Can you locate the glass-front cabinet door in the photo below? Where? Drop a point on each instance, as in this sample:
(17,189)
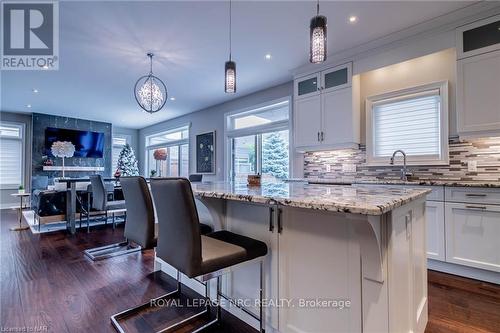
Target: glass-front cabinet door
(478,37)
(336,78)
(307,86)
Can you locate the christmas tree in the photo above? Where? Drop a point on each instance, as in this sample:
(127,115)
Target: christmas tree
(127,163)
(275,156)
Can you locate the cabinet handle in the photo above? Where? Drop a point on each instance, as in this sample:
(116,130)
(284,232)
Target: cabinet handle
(475,207)
(322,136)
(280,223)
(474,195)
(271,219)
(408,219)
(318,137)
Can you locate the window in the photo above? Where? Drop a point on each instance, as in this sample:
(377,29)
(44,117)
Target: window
(11,154)
(258,142)
(414,120)
(168,153)
(119,141)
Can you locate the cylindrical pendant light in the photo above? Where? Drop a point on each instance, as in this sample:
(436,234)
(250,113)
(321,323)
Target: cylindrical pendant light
(317,52)
(230,66)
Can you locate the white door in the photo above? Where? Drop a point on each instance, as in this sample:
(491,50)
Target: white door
(478,93)
(318,260)
(307,86)
(337,117)
(435,230)
(336,78)
(243,283)
(473,235)
(307,121)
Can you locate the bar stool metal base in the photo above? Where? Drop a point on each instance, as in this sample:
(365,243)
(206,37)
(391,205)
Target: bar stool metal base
(151,304)
(112,250)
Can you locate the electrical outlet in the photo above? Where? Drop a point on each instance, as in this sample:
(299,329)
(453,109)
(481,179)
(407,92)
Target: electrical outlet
(328,168)
(349,167)
(472,166)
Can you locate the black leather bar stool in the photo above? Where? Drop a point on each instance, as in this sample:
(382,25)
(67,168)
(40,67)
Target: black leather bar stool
(203,257)
(100,203)
(140,228)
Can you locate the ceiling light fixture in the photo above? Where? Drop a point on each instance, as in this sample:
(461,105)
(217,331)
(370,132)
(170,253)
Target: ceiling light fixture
(28,106)
(35,90)
(149,91)
(268,56)
(353,19)
(317,52)
(172,98)
(230,66)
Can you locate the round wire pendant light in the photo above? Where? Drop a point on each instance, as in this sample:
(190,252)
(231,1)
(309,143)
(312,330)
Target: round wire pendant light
(149,91)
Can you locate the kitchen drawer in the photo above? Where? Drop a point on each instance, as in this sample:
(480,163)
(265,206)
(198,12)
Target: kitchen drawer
(473,235)
(473,195)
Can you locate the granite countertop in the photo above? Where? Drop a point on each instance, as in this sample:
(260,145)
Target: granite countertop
(369,200)
(420,182)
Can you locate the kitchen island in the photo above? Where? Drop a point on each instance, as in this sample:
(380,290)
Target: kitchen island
(341,258)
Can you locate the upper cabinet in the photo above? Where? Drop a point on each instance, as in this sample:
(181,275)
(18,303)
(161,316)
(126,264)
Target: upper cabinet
(478,37)
(478,73)
(326,110)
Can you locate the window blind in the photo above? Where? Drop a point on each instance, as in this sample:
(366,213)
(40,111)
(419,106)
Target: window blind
(11,158)
(411,123)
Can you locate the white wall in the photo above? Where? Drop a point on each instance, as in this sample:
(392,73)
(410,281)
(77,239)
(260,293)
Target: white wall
(440,66)
(210,119)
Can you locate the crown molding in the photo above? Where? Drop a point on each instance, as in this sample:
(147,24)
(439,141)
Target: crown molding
(441,24)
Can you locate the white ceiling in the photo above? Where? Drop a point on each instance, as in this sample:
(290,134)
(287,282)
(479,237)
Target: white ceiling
(103,48)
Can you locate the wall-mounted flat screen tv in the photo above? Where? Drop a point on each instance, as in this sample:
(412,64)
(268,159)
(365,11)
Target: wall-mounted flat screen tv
(87,144)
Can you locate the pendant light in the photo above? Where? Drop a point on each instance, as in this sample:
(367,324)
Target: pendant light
(230,66)
(149,91)
(317,53)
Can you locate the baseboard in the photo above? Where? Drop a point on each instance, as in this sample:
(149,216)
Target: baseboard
(460,270)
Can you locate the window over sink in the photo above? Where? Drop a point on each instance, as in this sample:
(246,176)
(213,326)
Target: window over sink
(414,120)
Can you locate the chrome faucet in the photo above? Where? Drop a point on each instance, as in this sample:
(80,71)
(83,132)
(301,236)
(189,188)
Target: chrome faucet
(404,172)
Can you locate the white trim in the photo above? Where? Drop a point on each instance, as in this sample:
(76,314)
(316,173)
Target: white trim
(422,90)
(275,126)
(22,139)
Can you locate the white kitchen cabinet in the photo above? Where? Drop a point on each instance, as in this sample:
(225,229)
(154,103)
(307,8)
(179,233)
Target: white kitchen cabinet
(478,37)
(307,121)
(243,283)
(478,94)
(473,235)
(318,260)
(328,118)
(340,117)
(435,230)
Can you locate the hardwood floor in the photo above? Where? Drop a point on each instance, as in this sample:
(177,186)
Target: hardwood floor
(45,281)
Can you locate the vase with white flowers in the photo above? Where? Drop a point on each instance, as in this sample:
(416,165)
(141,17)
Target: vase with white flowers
(63,149)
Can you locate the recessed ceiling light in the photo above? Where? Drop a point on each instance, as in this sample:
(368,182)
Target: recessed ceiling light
(268,56)
(28,106)
(353,19)
(172,98)
(45,67)
(35,90)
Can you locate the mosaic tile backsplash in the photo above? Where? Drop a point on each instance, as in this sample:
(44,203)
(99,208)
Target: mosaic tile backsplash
(485,151)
